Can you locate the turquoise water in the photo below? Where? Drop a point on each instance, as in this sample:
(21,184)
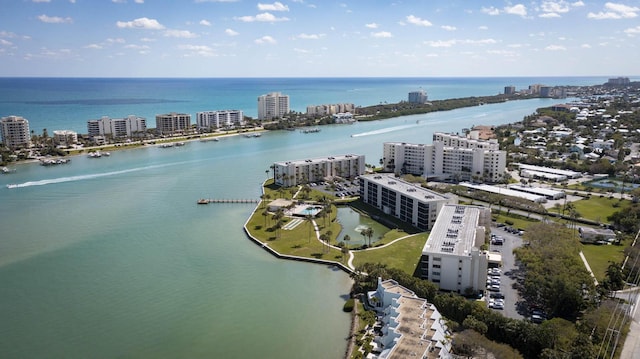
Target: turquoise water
(112,257)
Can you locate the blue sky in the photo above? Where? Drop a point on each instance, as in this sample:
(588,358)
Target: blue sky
(318,38)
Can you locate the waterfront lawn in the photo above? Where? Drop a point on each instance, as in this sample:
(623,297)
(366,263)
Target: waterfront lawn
(599,257)
(404,254)
(599,208)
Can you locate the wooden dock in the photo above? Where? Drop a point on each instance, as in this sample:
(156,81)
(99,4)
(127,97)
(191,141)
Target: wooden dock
(212,200)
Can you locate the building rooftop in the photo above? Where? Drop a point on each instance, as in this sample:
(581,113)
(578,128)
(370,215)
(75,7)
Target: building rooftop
(505,191)
(550,170)
(412,190)
(538,190)
(318,160)
(455,230)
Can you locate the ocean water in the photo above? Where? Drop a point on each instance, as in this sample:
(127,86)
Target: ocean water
(112,257)
(57,104)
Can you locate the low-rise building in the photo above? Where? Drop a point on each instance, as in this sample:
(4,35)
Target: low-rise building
(451,257)
(593,235)
(65,137)
(409,202)
(293,173)
(330,109)
(411,326)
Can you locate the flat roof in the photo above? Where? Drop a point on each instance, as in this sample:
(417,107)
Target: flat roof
(454,231)
(412,190)
(548,175)
(549,170)
(506,192)
(538,190)
(319,160)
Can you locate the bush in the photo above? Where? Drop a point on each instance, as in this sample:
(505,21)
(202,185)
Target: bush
(348,305)
(509,222)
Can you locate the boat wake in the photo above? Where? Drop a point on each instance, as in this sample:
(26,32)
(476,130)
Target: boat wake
(81,177)
(383,130)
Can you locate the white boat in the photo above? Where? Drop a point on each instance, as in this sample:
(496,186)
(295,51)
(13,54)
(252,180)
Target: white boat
(95,154)
(7,170)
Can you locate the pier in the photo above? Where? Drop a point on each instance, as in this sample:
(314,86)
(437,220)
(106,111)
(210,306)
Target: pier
(212,200)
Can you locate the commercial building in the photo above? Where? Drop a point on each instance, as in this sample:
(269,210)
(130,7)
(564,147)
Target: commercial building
(419,97)
(537,198)
(293,173)
(451,257)
(548,173)
(171,123)
(15,132)
(409,202)
(509,90)
(450,156)
(332,109)
(272,105)
(117,127)
(219,119)
(411,326)
(550,194)
(65,137)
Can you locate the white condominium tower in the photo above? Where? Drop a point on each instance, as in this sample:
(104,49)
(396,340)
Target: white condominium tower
(272,105)
(450,156)
(219,119)
(116,127)
(15,132)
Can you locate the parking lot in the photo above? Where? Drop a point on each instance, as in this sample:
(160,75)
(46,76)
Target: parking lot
(340,188)
(508,273)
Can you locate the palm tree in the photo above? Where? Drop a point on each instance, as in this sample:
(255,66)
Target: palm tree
(344,251)
(346,240)
(323,238)
(369,234)
(309,221)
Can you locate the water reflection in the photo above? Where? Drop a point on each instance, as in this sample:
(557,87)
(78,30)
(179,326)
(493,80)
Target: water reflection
(353,223)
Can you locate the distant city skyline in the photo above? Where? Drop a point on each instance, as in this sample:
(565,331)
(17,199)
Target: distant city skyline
(303,38)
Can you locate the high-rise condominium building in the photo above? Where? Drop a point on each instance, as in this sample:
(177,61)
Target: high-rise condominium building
(170,123)
(272,105)
(15,132)
(450,156)
(219,119)
(419,97)
(451,257)
(293,173)
(117,127)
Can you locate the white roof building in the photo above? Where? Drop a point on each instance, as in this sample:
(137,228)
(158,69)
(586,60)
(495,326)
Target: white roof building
(412,327)
(293,173)
(409,202)
(451,257)
(506,191)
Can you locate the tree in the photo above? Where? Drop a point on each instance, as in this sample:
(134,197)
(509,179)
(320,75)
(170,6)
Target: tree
(345,252)
(346,240)
(369,233)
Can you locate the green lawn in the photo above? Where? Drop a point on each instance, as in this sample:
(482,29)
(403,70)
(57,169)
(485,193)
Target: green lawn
(598,209)
(599,257)
(517,220)
(403,254)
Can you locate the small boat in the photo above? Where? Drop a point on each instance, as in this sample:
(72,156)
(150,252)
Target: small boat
(7,170)
(95,154)
(180,143)
(166,145)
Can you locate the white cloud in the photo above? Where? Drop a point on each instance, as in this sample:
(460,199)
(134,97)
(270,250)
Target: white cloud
(441,43)
(117,40)
(310,36)
(615,11)
(585,46)
(372,25)
(136,47)
(183,34)
(555,48)
(490,11)
(558,7)
(54,19)
(199,50)
(483,27)
(265,40)
(231,32)
(381,34)
(517,9)
(204,22)
(140,23)
(139,1)
(632,31)
(417,21)
(5,42)
(448,28)
(41,1)
(276,6)
(549,15)
(94,46)
(264,17)
(301,51)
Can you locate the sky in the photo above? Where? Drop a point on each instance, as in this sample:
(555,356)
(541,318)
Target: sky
(318,38)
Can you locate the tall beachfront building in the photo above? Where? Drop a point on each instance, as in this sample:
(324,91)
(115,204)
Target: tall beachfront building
(409,202)
(15,132)
(448,157)
(272,105)
(117,127)
(419,97)
(219,119)
(293,173)
(451,257)
(171,123)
